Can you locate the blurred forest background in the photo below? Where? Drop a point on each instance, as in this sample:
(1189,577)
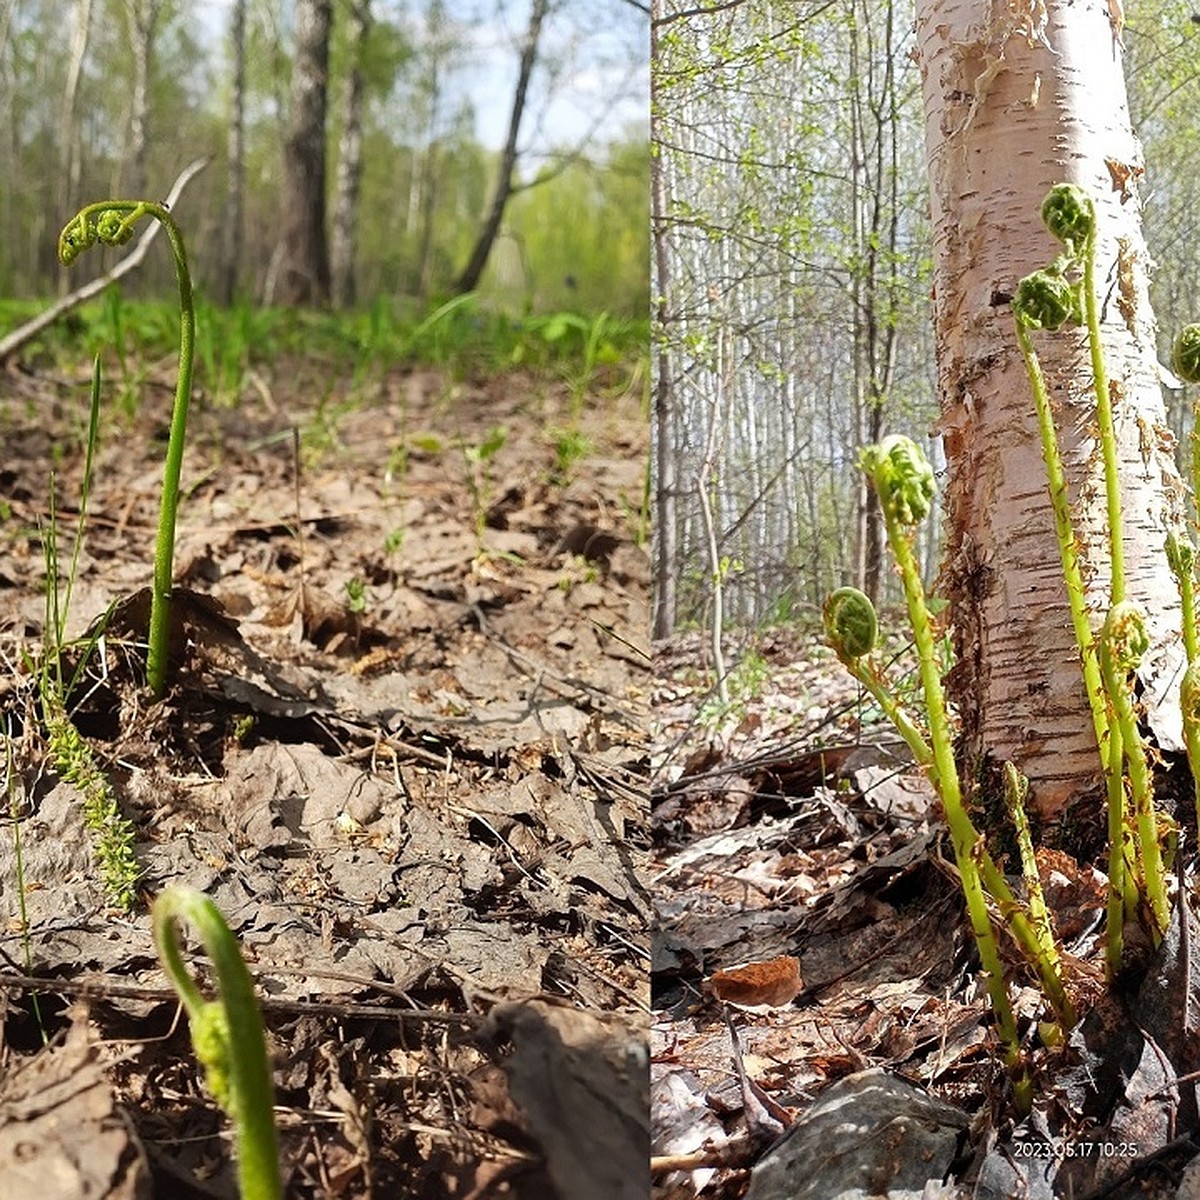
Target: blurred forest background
(492,146)
(792,276)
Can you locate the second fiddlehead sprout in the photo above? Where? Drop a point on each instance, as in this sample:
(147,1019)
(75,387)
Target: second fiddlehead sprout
(853,631)
(1185,354)
(227,1035)
(904,481)
(112,222)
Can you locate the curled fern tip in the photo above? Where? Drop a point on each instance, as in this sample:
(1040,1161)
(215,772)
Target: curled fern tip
(1070,216)
(902,477)
(850,623)
(1047,300)
(1185,357)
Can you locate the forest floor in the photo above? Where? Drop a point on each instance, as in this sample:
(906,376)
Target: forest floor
(404,749)
(807,904)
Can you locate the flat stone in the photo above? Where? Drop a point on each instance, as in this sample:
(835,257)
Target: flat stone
(870,1135)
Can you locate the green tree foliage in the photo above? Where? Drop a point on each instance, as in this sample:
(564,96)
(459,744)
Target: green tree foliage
(796,231)
(1162,40)
(426,174)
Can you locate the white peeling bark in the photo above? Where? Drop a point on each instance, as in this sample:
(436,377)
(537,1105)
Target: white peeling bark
(1019,96)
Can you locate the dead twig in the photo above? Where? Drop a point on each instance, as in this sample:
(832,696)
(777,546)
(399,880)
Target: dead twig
(102,988)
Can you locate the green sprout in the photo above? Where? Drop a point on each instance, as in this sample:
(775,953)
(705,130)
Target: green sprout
(1047,300)
(1181,558)
(114,835)
(1185,354)
(853,631)
(1040,302)
(111,222)
(1189,703)
(1070,215)
(903,480)
(1060,503)
(1124,641)
(227,1035)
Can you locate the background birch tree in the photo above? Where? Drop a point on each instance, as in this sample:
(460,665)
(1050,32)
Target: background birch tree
(791,230)
(344,218)
(217,85)
(304,255)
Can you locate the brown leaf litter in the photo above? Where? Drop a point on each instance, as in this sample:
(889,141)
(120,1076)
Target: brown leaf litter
(790,827)
(407,763)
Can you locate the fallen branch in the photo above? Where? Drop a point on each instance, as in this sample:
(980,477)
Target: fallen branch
(12,342)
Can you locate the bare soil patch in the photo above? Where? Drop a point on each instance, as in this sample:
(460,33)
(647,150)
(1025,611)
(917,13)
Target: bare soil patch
(404,751)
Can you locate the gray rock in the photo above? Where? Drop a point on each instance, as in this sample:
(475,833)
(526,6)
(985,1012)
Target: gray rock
(870,1135)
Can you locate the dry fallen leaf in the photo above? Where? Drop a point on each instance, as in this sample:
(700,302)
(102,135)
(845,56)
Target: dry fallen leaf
(773,983)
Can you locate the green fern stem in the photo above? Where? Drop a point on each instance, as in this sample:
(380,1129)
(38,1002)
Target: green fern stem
(851,627)
(1189,703)
(1016,789)
(1067,544)
(1120,853)
(1181,558)
(1123,642)
(1104,421)
(227,1035)
(112,222)
(968,846)
(904,483)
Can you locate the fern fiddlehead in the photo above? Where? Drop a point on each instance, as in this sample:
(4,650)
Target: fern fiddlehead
(111,223)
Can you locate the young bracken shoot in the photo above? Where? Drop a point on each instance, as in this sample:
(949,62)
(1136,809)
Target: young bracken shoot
(111,222)
(1048,299)
(227,1035)
(903,480)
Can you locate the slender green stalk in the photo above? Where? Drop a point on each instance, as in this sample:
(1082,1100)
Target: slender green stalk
(1120,854)
(904,482)
(1181,558)
(1047,300)
(1067,545)
(1016,789)
(113,845)
(852,628)
(227,1035)
(1123,643)
(1189,703)
(1039,304)
(112,222)
(1069,213)
(1104,421)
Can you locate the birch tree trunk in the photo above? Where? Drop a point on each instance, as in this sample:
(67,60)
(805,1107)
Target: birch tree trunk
(344,223)
(233,223)
(69,148)
(1020,95)
(304,270)
(665,407)
(143,18)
